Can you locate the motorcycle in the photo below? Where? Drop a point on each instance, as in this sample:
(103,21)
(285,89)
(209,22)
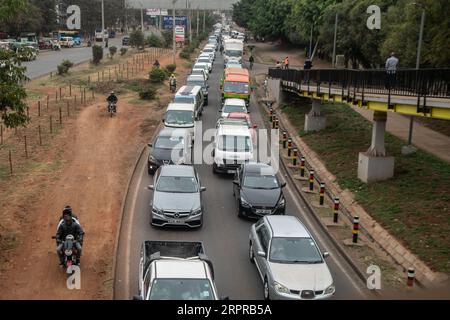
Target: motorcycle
(112,108)
(70,252)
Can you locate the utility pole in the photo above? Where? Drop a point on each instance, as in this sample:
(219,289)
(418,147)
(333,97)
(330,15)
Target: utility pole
(198,19)
(334,41)
(103,23)
(126,16)
(419,50)
(204,20)
(142,18)
(310,43)
(174,40)
(190,22)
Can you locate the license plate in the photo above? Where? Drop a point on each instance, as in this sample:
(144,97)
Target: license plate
(174,221)
(231,171)
(261,211)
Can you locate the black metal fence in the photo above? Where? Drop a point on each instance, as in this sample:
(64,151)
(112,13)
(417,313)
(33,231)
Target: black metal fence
(433,83)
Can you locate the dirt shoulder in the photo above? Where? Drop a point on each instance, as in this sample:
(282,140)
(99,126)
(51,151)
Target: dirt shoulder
(87,165)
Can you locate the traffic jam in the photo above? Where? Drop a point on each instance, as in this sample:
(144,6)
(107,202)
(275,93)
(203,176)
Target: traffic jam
(283,251)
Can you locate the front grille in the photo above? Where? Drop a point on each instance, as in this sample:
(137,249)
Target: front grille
(176,214)
(295,291)
(307,294)
(318,292)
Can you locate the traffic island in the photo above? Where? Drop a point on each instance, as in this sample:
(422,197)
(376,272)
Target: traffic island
(331,224)
(350,243)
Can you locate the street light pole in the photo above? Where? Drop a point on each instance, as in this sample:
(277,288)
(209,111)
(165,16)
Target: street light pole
(310,43)
(334,41)
(198,12)
(190,22)
(419,50)
(142,17)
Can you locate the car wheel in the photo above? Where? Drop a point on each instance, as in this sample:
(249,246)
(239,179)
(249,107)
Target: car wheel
(214,168)
(266,290)
(251,254)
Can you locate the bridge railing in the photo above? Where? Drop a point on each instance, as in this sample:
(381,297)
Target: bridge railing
(433,83)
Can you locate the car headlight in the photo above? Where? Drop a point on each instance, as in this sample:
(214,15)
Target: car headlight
(282,202)
(330,289)
(244,203)
(156,211)
(280,288)
(196,212)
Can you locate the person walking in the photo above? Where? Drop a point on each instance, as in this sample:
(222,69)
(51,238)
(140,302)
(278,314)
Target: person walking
(391,71)
(251,60)
(286,63)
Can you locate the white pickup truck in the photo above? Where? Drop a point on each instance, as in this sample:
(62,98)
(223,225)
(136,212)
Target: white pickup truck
(175,270)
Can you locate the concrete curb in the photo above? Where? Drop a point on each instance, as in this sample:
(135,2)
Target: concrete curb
(121,219)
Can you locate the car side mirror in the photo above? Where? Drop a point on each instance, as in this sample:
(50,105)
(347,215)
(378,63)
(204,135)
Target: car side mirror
(283,185)
(150,145)
(262,254)
(326,255)
(151,187)
(236,182)
(202,189)
(136,297)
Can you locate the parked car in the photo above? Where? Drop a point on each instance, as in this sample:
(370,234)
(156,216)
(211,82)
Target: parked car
(201,72)
(45,44)
(181,115)
(126,41)
(288,260)
(207,60)
(171,146)
(177,197)
(198,80)
(257,191)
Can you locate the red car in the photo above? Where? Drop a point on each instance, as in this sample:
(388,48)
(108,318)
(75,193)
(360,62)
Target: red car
(45,44)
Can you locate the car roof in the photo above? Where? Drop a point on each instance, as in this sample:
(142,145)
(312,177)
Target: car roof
(287,226)
(172,132)
(180,106)
(237,78)
(195,77)
(234,102)
(194,269)
(255,167)
(188,90)
(233,130)
(177,170)
(236,71)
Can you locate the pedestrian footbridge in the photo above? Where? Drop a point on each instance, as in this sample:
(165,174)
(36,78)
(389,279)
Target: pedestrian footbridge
(424,92)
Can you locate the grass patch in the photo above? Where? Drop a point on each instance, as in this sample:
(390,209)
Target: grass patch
(414,205)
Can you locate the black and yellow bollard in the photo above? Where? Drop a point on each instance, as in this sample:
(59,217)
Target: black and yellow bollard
(284,139)
(289,147)
(311,180)
(271,115)
(302,167)
(336,210)
(294,157)
(277,123)
(322,193)
(411,277)
(355,230)
(274,122)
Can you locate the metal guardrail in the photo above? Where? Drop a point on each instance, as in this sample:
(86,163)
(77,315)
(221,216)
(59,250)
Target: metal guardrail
(433,83)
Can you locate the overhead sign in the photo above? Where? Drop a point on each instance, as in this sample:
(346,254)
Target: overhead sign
(179,21)
(157,12)
(183,4)
(179,34)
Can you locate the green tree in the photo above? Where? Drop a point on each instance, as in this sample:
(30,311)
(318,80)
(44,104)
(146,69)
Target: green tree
(137,39)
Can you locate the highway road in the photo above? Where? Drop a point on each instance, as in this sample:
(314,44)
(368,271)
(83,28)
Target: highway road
(224,235)
(48,61)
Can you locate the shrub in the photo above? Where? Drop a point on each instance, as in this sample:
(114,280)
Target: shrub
(147,93)
(64,67)
(67,63)
(157,75)
(137,39)
(123,51)
(154,41)
(97,54)
(171,68)
(112,51)
(185,55)
(168,37)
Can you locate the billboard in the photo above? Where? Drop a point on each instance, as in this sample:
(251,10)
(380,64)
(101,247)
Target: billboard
(182,4)
(179,33)
(156,12)
(179,21)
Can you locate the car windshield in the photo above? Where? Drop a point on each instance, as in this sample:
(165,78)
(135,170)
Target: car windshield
(201,66)
(234,143)
(233,53)
(233,108)
(196,83)
(179,117)
(184,99)
(258,180)
(200,72)
(181,289)
(177,184)
(236,87)
(208,50)
(169,143)
(204,60)
(294,250)
(234,65)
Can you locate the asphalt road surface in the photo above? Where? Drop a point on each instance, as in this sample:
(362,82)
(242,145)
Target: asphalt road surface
(48,61)
(224,235)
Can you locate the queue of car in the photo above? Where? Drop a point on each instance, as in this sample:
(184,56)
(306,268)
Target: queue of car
(286,256)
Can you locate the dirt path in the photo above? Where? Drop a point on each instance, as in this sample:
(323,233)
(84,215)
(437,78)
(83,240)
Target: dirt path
(98,155)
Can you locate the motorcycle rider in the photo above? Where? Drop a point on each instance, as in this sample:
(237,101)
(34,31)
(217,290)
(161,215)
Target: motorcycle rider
(112,99)
(69,226)
(156,64)
(173,83)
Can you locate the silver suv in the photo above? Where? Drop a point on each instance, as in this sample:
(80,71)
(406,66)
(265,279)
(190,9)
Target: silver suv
(177,197)
(288,260)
